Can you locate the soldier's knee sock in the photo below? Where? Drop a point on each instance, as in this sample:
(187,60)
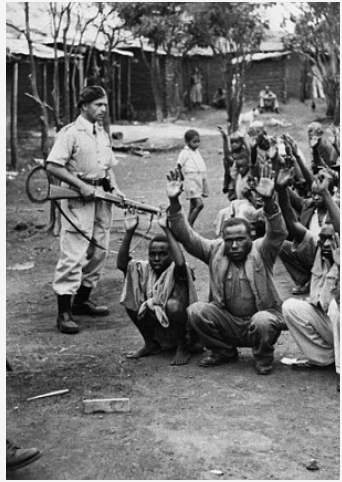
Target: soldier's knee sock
(64,303)
(82,294)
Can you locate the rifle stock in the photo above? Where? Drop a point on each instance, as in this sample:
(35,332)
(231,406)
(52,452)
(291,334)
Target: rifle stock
(57,193)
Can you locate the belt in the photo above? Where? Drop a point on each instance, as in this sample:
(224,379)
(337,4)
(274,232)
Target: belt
(94,182)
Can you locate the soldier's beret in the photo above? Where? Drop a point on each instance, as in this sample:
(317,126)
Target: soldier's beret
(91,93)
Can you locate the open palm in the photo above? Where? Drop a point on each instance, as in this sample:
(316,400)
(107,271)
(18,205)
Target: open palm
(265,186)
(162,219)
(285,176)
(174,185)
(131,220)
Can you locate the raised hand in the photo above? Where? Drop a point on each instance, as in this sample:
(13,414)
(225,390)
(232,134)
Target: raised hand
(174,185)
(131,219)
(223,134)
(265,185)
(285,175)
(162,219)
(336,249)
(290,144)
(273,150)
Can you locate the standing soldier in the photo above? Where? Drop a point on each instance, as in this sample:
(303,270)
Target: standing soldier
(82,158)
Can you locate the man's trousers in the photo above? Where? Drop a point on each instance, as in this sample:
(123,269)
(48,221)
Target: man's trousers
(221,332)
(80,261)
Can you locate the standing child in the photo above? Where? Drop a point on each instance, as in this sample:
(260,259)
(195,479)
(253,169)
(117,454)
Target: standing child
(193,172)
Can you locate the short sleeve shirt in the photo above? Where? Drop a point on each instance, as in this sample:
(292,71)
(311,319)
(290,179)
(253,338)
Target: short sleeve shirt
(238,294)
(191,161)
(81,151)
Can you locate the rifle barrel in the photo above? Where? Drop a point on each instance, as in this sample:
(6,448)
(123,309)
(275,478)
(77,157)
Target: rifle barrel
(59,192)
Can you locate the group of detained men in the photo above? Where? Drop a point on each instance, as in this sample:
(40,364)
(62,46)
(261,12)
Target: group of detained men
(244,308)
(277,207)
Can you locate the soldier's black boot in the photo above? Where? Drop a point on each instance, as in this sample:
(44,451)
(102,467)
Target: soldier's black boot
(65,322)
(83,306)
(16,458)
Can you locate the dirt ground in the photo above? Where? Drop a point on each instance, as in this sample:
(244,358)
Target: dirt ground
(184,421)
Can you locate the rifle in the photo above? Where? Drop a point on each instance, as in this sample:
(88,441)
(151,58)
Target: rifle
(56,193)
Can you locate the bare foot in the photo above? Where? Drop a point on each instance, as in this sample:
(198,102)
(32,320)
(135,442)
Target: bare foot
(182,356)
(146,350)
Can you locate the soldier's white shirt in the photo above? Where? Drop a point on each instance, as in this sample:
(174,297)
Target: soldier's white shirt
(82,152)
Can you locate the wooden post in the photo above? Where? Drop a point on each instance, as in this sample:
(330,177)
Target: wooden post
(45,99)
(45,132)
(80,65)
(118,95)
(14,117)
(129,78)
(285,78)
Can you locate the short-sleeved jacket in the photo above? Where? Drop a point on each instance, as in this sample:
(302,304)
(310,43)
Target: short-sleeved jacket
(191,161)
(258,264)
(81,152)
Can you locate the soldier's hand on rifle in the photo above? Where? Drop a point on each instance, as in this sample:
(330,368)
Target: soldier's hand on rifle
(119,193)
(87,191)
(131,220)
(174,186)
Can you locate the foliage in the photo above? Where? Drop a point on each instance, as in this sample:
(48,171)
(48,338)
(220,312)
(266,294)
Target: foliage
(233,30)
(238,23)
(159,22)
(162,26)
(317,38)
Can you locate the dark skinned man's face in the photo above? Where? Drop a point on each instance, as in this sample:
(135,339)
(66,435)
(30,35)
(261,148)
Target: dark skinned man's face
(325,241)
(238,242)
(317,196)
(159,256)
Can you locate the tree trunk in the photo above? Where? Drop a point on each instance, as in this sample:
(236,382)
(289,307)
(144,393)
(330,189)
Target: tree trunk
(14,118)
(330,90)
(55,91)
(154,72)
(66,93)
(157,87)
(44,117)
(234,75)
(119,90)
(172,77)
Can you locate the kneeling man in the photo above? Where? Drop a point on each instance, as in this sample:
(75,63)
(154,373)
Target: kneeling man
(157,292)
(245,307)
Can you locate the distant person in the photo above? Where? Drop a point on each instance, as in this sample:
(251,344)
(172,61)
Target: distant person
(245,307)
(219,99)
(324,152)
(236,163)
(82,158)
(196,90)
(193,172)
(157,292)
(268,100)
(316,84)
(17,458)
